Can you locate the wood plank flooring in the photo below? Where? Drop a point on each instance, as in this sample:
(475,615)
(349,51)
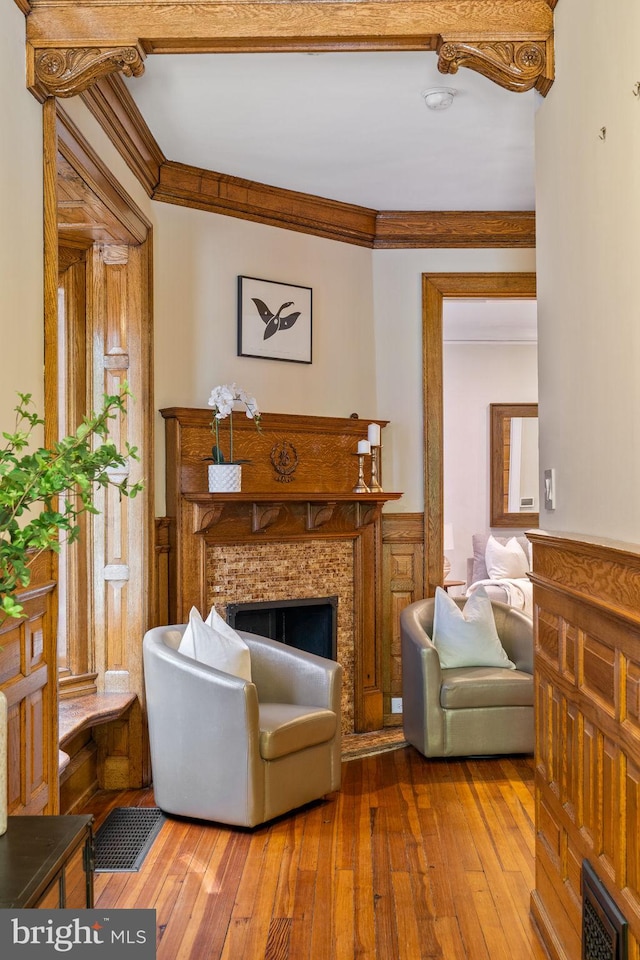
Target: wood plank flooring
(411,859)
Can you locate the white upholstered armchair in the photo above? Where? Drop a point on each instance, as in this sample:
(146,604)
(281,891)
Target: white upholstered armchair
(237,751)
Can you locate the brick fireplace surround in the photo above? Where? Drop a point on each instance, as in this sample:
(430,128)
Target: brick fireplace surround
(284,537)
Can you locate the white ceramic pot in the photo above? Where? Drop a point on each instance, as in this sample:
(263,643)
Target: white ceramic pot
(3,763)
(225,477)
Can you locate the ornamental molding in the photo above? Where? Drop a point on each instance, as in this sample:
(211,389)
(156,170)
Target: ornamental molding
(67,72)
(515,65)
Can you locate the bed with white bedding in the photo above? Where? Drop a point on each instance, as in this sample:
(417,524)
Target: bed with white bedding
(501,565)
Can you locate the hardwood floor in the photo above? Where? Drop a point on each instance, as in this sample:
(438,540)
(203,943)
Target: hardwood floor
(411,859)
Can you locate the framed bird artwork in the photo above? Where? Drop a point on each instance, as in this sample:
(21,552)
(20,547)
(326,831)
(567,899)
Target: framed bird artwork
(274,320)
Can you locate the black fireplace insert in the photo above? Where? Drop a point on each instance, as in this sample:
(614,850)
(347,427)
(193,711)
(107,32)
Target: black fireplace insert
(308,624)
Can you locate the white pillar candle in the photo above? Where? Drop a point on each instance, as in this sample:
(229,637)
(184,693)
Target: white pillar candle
(373,433)
(364,446)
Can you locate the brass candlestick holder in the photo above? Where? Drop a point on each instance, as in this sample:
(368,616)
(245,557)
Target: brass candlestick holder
(376,453)
(361,486)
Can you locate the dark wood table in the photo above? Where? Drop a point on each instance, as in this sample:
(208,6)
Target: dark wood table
(47,861)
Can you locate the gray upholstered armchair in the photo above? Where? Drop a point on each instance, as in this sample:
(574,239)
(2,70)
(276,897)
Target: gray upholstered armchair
(241,752)
(467,711)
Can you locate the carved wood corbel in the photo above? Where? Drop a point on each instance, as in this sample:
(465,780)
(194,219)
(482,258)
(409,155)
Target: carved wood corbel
(515,65)
(263,515)
(319,513)
(208,517)
(366,513)
(66,72)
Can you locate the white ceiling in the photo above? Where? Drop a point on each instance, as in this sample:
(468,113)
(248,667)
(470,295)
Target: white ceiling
(346,126)
(485,321)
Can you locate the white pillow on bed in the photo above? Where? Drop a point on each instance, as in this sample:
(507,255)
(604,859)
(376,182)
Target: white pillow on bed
(467,637)
(506,561)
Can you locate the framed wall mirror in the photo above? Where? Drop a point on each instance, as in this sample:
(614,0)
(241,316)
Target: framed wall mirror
(514,465)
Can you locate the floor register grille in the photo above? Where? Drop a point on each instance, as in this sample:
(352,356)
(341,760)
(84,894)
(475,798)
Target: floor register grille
(125,838)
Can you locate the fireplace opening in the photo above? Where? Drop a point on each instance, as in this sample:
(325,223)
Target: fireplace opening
(308,624)
(604,928)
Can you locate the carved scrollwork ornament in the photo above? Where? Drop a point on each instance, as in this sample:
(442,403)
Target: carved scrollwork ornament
(517,66)
(284,460)
(67,72)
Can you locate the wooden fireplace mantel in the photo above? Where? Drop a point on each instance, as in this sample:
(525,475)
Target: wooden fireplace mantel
(295,513)
(316,502)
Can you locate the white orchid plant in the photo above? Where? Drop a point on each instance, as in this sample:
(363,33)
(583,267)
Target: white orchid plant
(223,400)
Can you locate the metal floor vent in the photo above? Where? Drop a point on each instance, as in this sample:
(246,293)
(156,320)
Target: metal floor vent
(125,838)
(604,928)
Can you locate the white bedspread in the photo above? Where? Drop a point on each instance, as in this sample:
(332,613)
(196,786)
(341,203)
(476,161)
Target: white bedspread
(519,592)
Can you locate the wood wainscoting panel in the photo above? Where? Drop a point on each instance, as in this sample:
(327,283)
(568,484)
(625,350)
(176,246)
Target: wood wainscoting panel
(587,677)
(28,678)
(402,583)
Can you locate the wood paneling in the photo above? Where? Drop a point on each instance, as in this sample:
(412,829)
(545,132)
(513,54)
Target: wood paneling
(587,665)
(402,583)
(108,340)
(84,180)
(160,606)
(28,677)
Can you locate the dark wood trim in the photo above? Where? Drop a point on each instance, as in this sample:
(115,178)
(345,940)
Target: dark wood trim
(111,103)
(499,460)
(84,160)
(218,193)
(435,287)
(117,113)
(402,527)
(206,27)
(397,229)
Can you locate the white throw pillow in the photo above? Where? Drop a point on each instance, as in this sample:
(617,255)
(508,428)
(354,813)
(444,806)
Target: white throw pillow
(506,561)
(217,644)
(467,637)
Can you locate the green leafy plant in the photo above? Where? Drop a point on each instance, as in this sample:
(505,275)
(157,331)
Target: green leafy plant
(43,492)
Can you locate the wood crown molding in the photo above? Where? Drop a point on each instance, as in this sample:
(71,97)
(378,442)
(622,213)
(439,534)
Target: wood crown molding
(398,229)
(115,110)
(206,190)
(117,113)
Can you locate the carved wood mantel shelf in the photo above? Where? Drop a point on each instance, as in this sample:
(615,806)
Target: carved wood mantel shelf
(293,514)
(301,534)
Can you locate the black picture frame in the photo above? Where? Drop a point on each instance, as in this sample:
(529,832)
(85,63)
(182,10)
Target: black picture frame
(274,320)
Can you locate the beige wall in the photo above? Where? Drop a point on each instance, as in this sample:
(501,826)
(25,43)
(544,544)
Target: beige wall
(397,284)
(21,315)
(476,375)
(588,221)
(198,259)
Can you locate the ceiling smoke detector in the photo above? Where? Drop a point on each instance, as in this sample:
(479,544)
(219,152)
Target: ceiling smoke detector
(439,98)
